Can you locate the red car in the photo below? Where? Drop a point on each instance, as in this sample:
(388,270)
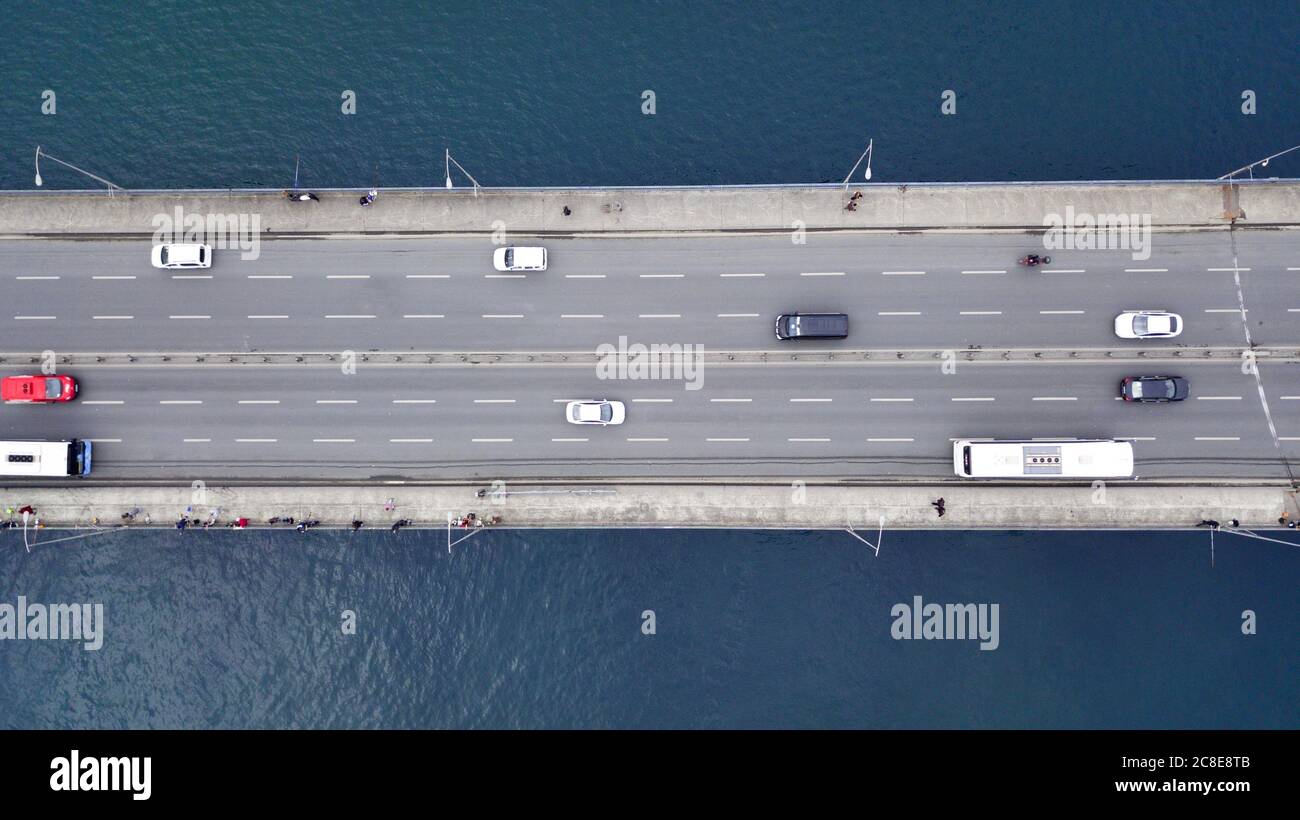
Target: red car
(37,389)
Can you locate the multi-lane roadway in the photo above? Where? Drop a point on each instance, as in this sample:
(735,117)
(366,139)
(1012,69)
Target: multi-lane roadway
(779,419)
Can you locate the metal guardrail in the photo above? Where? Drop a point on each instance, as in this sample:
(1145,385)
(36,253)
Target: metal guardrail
(591,358)
(466,191)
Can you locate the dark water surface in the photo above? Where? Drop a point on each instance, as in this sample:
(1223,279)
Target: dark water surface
(154,94)
(753,629)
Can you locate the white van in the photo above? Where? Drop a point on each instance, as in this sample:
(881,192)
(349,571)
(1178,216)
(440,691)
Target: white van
(512,259)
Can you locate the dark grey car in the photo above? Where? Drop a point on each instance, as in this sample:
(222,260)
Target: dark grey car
(812,326)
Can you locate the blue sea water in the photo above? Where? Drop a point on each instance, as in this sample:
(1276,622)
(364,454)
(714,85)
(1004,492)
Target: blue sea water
(542,629)
(752,629)
(526,93)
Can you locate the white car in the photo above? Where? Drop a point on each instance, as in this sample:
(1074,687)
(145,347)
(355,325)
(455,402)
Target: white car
(519,259)
(182,256)
(595,411)
(1148,324)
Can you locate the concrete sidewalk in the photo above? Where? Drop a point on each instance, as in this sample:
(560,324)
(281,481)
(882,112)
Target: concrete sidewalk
(734,506)
(661,210)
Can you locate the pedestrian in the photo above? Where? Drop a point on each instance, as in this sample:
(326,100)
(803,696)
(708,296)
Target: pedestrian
(275,520)
(1209,522)
(1234,523)
(1283,518)
(241,523)
(567,212)
(301,527)
(289,521)
(26,508)
(390,505)
(356,524)
(180,524)
(940,506)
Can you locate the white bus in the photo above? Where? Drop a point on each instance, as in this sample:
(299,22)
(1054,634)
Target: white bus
(45,459)
(1067,458)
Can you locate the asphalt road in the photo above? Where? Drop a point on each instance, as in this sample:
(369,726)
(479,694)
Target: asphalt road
(932,291)
(787,420)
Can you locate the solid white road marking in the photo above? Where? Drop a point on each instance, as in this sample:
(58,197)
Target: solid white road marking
(415,401)
(662,275)
(974,398)
(20,318)
(112,317)
(349,316)
(651,401)
(582,316)
(979,312)
(259,401)
(1146,270)
(659,316)
(721,440)
(492,440)
(884,440)
(570,439)
(1218,438)
(1056,398)
(902,273)
(423,316)
(1059,312)
(1218,398)
(112,277)
(824,273)
(494,401)
(428,276)
(411,440)
(741,275)
(978,272)
(503,315)
(196,440)
(647,439)
(584,276)
(333,441)
(1225,270)
(1227,310)
(348,276)
(806,400)
(268,316)
(810,440)
(731,400)
(737,315)
(103,401)
(336,401)
(255,440)
(191,276)
(889,400)
(31,278)
(189,317)
(180,401)
(105,440)
(270,276)
(898,313)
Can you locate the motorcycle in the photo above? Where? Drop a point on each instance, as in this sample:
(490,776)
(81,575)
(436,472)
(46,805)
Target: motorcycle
(1034,260)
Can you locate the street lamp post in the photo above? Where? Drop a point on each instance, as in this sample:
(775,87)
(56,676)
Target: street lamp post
(865,155)
(39,182)
(1262,163)
(450,161)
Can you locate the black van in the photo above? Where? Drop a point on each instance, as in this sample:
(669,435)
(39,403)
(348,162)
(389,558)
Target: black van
(812,326)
